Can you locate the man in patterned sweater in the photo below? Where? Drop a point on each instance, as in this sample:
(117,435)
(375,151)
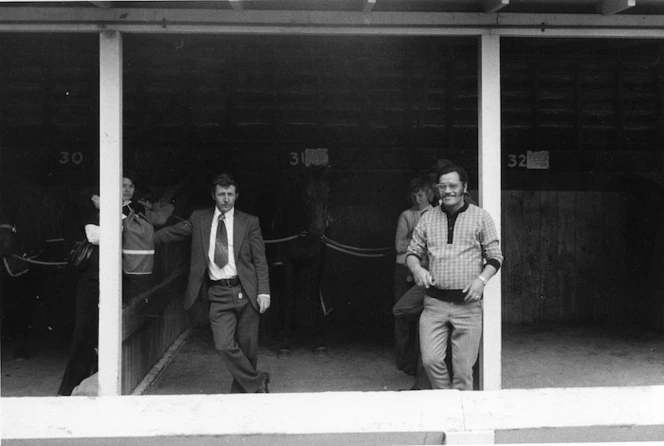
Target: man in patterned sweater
(461,242)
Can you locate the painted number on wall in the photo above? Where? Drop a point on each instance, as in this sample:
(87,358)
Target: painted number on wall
(529,160)
(516,160)
(315,157)
(71,157)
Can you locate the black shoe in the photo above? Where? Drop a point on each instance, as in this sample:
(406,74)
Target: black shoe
(264,384)
(410,370)
(412,388)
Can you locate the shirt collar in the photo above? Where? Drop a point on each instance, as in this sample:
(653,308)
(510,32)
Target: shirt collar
(230,214)
(425,210)
(462,209)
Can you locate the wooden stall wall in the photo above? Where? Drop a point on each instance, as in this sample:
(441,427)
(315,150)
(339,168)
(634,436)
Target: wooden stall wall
(567,256)
(49,130)
(583,237)
(49,126)
(383,108)
(153,320)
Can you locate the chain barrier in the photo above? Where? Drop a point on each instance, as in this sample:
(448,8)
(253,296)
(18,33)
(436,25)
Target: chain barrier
(286,239)
(38,262)
(356,254)
(383,251)
(346,249)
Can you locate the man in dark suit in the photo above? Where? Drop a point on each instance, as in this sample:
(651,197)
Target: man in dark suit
(228,264)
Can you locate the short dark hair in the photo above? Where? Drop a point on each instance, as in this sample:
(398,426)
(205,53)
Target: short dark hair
(224,180)
(463,176)
(418,184)
(128,173)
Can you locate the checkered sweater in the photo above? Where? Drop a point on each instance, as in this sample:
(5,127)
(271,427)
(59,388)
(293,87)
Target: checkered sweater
(458,246)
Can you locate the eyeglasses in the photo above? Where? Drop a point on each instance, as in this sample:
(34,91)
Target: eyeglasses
(451,186)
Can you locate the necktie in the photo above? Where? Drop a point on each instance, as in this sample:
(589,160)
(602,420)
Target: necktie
(221,244)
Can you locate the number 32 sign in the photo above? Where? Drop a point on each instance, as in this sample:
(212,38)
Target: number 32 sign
(529,160)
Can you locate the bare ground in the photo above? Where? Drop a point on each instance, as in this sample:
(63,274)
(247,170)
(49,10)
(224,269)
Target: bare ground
(533,357)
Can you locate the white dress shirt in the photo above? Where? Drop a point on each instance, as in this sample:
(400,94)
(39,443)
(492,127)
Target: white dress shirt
(229,270)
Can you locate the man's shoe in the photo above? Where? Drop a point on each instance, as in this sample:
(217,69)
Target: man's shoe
(264,384)
(410,370)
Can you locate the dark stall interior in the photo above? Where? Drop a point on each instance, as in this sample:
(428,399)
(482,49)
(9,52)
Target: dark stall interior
(582,238)
(372,113)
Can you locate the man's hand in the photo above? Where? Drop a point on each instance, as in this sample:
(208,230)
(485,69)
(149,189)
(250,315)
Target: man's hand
(263,302)
(474,290)
(423,277)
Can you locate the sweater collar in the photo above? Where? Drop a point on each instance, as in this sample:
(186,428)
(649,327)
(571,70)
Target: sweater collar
(463,208)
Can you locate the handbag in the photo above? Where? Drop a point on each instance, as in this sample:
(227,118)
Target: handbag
(79,256)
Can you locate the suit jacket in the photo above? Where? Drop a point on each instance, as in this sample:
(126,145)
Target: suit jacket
(248,247)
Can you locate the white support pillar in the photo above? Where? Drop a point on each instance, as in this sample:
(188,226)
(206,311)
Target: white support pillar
(490,200)
(110,246)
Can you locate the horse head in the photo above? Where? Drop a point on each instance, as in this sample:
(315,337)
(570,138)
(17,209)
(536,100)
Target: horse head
(301,213)
(315,192)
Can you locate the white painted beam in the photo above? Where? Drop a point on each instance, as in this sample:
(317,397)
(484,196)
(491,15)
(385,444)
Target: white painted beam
(110,246)
(491,6)
(194,20)
(490,199)
(236,4)
(608,7)
(181,21)
(368,5)
(275,416)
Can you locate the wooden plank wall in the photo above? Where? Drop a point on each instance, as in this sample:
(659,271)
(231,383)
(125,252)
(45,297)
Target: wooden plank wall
(386,108)
(566,257)
(152,321)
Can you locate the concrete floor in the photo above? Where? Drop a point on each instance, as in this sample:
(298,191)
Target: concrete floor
(552,356)
(533,357)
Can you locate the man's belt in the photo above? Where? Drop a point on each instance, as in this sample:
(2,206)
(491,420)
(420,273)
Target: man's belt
(233,281)
(446,295)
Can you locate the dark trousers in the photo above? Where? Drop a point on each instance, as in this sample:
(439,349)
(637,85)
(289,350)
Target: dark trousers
(82,354)
(234,324)
(407,311)
(406,339)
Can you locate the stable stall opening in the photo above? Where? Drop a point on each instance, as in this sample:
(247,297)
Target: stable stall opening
(582,137)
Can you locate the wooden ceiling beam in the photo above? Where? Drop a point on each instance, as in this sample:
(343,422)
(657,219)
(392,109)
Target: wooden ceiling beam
(609,7)
(491,6)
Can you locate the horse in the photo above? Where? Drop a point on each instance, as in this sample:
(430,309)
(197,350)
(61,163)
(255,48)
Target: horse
(30,237)
(296,246)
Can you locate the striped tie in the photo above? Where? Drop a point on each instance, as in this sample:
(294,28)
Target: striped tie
(221,244)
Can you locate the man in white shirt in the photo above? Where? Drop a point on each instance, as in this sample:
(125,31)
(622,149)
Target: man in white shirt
(228,264)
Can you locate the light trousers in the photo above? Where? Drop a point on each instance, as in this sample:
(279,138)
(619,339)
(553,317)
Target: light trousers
(461,322)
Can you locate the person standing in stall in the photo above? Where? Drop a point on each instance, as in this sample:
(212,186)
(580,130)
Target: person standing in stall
(463,249)
(406,339)
(82,361)
(228,266)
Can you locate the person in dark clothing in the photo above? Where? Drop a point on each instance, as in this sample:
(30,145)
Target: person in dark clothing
(82,355)
(83,351)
